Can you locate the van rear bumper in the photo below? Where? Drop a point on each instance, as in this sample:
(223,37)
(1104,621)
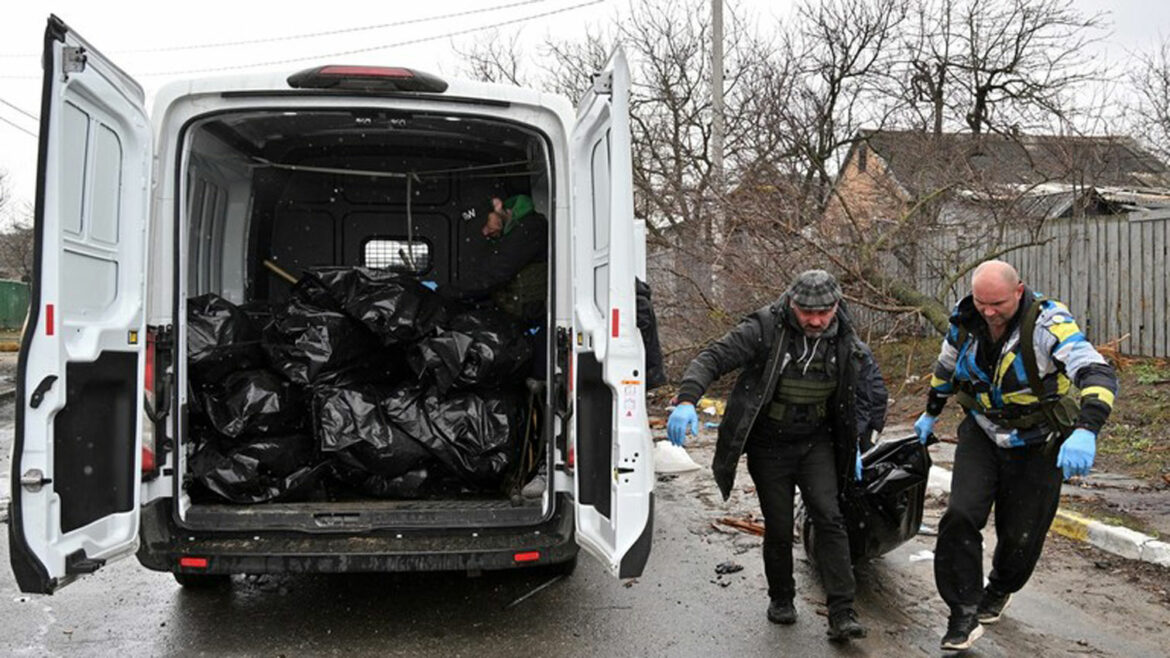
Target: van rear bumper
(163,544)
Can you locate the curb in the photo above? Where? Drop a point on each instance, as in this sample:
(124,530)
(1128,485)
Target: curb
(1118,540)
(7,395)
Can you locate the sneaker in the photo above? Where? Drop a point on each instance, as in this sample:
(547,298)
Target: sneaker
(843,626)
(781,612)
(992,605)
(962,631)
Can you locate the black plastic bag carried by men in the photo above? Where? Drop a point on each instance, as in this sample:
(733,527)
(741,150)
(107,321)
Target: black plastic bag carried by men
(259,470)
(471,434)
(396,308)
(885,509)
(474,349)
(255,402)
(221,339)
(351,421)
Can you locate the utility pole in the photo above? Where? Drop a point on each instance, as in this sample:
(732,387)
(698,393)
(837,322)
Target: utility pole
(717,126)
(716,201)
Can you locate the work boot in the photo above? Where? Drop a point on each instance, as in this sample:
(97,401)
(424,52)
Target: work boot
(992,605)
(781,612)
(962,631)
(843,626)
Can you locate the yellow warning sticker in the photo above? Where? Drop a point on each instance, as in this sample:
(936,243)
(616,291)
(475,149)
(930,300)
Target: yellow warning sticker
(133,338)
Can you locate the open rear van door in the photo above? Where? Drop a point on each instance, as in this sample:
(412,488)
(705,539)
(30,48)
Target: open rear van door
(614,466)
(76,469)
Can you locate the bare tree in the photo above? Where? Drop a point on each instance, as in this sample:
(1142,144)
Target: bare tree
(16,252)
(492,59)
(841,52)
(16,236)
(1151,80)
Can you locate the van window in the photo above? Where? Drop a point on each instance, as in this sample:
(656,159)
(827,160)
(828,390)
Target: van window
(600,178)
(398,255)
(107,188)
(75,143)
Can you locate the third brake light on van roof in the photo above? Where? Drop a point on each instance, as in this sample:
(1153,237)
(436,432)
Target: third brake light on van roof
(366,78)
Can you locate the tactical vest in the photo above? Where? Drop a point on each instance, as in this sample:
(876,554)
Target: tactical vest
(1059,412)
(801,403)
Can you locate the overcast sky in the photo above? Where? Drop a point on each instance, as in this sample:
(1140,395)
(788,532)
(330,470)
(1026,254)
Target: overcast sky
(120,27)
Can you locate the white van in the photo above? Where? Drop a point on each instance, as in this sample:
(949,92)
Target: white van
(136,213)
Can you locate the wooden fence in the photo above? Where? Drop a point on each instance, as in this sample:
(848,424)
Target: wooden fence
(1112,271)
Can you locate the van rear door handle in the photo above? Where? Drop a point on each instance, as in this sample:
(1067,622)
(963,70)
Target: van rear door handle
(39,394)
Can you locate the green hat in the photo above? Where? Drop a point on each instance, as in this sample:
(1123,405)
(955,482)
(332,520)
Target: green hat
(521,206)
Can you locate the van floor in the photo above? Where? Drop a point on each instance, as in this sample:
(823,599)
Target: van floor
(360,514)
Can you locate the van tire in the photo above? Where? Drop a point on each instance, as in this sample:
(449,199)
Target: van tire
(201,580)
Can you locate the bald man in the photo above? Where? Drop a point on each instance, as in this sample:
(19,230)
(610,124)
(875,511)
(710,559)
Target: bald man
(1014,444)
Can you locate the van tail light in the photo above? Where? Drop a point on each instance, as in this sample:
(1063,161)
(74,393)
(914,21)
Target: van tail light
(526,556)
(154,378)
(148,374)
(193,562)
(366,78)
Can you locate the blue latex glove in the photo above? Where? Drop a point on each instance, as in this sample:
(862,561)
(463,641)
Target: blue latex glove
(924,426)
(857,466)
(683,417)
(430,284)
(1077,452)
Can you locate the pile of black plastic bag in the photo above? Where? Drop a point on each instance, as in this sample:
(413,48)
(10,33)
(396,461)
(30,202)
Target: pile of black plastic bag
(365,383)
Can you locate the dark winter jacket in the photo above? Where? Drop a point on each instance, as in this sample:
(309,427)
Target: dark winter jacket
(873,398)
(756,345)
(648,325)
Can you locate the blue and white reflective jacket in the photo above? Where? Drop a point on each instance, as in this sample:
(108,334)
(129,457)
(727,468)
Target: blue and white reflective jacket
(999,383)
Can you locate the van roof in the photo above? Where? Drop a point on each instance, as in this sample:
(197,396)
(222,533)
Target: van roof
(278,82)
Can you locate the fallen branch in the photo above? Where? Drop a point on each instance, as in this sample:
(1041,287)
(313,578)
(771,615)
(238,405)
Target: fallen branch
(744,525)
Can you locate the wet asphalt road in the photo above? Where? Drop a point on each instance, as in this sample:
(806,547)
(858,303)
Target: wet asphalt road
(678,608)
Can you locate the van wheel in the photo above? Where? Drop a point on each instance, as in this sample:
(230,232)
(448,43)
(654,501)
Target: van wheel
(202,580)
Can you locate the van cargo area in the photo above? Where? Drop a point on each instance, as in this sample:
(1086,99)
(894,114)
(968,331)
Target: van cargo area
(364,306)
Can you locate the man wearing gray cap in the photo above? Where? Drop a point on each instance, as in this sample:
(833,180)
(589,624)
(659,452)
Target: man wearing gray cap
(807,389)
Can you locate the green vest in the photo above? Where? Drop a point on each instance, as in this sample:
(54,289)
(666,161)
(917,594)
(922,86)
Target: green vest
(801,403)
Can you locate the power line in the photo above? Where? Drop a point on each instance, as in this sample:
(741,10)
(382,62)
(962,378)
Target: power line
(20,128)
(373,48)
(311,35)
(24,112)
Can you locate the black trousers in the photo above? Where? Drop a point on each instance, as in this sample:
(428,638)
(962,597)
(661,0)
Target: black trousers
(776,466)
(1024,486)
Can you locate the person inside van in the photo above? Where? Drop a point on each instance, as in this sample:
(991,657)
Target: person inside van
(506,259)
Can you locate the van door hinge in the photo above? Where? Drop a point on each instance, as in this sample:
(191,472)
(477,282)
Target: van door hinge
(603,83)
(33,479)
(73,59)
